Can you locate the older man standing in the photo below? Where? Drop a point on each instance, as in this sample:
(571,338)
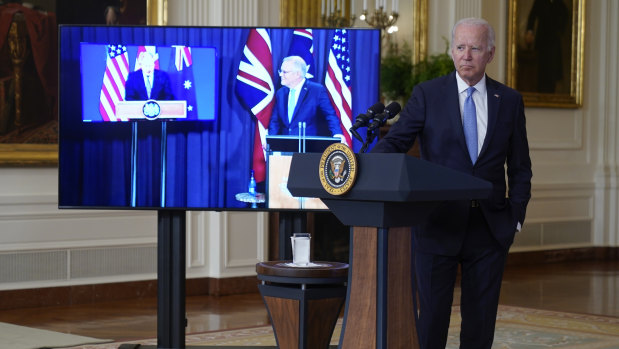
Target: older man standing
(148,82)
(471,123)
(301,101)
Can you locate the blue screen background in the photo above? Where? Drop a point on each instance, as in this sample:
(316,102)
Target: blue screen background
(200,164)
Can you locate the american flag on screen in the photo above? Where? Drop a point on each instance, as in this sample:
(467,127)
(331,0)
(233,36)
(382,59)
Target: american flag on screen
(302,45)
(256,90)
(114,78)
(338,81)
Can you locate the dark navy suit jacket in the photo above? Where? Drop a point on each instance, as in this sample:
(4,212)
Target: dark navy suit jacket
(135,90)
(433,114)
(313,107)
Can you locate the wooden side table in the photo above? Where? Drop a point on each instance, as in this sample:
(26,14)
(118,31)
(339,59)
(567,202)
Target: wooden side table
(303,302)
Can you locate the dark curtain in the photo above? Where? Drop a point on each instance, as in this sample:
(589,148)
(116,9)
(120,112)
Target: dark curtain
(208,162)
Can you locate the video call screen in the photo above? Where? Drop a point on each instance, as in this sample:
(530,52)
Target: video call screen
(177,117)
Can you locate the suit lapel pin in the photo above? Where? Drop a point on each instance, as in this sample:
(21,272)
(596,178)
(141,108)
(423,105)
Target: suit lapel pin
(497,96)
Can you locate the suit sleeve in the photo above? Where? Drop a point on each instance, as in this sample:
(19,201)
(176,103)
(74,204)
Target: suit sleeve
(519,166)
(275,123)
(402,134)
(167,93)
(131,90)
(326,108)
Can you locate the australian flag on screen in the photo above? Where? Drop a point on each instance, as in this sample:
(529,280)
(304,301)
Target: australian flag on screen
(302,45)
(182,80)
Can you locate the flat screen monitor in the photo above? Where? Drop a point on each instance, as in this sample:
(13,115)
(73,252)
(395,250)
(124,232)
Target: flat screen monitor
(178,117)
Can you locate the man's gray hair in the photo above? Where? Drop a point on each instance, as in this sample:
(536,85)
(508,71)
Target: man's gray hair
(298,64)
(476,22)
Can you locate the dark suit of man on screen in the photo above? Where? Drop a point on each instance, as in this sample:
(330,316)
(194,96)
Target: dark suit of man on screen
(148,82)
(473,235)
(301,101)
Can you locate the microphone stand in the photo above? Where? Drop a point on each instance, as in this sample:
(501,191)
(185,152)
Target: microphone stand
(372,133)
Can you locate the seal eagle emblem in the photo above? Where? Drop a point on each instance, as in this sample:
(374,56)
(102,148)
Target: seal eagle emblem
(338,169)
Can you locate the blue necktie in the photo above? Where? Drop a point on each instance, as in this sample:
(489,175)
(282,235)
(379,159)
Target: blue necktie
(291,104)
(469,120)
(149,85)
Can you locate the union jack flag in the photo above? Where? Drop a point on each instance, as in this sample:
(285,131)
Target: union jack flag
(338,81)
(114,78)
(256,90)
(302,45)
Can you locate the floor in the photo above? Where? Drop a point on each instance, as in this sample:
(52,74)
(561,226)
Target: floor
(579,287)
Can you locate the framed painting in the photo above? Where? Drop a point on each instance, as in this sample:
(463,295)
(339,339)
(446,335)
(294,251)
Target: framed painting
(546,51)
(28,122)
(29,69)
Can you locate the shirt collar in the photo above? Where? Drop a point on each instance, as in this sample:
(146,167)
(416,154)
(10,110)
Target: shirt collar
(463,86)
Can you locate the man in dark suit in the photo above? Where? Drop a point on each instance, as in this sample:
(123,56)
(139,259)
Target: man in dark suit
(477,134)
(148,82)
(301,101)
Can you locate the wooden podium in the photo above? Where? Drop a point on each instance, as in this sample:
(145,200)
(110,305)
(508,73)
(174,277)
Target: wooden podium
(392,193)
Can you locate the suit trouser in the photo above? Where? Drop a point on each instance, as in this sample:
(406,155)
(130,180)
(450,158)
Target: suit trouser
(482,261)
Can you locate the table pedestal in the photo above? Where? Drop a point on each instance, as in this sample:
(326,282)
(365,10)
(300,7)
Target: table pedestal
(303,303)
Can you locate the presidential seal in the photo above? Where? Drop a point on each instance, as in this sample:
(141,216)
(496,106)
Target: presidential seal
(338,169)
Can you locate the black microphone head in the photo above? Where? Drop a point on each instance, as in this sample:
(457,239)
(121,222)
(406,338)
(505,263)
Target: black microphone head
(375,109)
(389,112)
(392,110)
(363,119)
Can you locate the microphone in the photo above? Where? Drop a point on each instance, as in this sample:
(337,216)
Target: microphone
(363,119)
(389,113)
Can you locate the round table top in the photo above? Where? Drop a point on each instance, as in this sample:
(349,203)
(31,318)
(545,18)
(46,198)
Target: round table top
(286,269)
(257,198)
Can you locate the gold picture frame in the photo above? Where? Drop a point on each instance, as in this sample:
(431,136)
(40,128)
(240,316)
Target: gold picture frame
(14,154)
(28,129)
(547,69)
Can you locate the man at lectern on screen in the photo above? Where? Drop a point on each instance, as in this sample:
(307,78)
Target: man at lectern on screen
(301,102)
(148,83)
(468,122)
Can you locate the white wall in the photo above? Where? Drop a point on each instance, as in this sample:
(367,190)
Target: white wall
(574,151)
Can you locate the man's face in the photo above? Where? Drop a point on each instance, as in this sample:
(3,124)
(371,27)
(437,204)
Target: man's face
(289,76)
(470,52)
(147,62)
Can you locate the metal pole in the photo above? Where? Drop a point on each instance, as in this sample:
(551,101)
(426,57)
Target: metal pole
(134,162)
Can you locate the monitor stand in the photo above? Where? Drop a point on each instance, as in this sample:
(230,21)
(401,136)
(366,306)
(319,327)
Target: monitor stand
(171,320)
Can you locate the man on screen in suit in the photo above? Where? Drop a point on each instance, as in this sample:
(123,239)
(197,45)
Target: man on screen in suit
(148,82)
(477,135)
(301,100)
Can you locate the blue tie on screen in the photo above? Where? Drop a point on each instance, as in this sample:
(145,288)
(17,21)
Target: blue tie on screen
(149,85)
(469,120)
(290,104)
